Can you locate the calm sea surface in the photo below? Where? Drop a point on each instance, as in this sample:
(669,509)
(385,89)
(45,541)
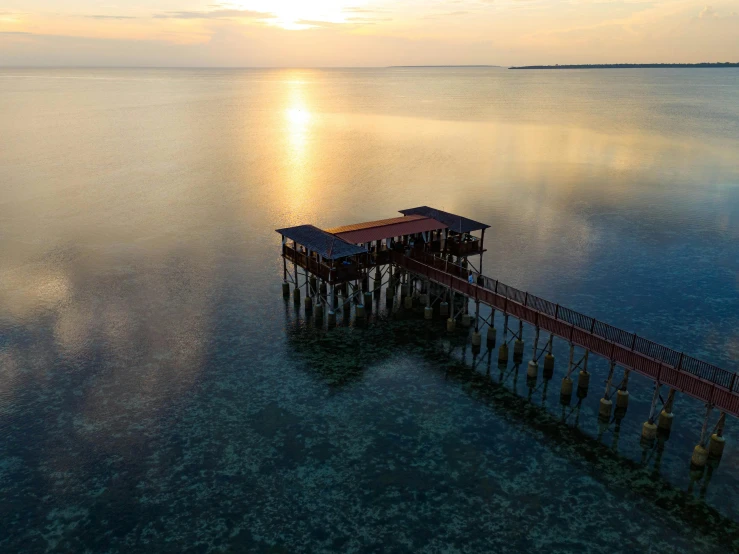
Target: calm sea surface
(157,393)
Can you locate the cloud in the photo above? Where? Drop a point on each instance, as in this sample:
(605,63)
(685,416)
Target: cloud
(363,10)
(580,2)
(350,22)
(261,35)
(368,19)
(709,13)
(217,14)
(444,15)
(110,17)
(317,23)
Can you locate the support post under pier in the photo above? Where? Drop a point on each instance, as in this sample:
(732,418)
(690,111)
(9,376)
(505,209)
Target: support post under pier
(565,394)
(717,440)
(649,429)
(606,403)
(700,452)
(549,359)
(533,369)
(503,351)
(476,337)
(492,332)
(518,344)
(666,416)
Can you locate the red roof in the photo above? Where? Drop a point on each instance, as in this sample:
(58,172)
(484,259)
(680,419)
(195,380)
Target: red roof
(360,233)
(370,224)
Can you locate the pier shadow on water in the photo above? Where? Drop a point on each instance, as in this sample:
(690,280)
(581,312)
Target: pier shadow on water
(339,359)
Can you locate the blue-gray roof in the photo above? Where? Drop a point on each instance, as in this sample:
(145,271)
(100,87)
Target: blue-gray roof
(325,244)
(454,222)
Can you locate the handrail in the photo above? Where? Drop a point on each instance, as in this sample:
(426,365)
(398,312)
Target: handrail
(630,341)
(326,272)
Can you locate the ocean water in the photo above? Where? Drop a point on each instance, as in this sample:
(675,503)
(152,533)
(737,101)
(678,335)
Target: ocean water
(158,394)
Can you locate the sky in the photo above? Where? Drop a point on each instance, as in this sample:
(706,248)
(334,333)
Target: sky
(356,33)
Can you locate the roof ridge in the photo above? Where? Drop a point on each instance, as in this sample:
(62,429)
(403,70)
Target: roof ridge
(375,223)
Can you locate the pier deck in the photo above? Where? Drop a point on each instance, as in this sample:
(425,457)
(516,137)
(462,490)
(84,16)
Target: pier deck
(427,254)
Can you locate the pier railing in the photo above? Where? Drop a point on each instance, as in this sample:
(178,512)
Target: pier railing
(331,275)
(463,248)
(695,377)
(613,334)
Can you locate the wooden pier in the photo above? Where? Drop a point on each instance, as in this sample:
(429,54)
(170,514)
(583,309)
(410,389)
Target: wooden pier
(427,254)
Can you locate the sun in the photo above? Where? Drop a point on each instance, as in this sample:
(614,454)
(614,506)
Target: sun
(299,14)
(298,117)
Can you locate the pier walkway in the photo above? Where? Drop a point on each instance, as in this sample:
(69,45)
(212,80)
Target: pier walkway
(703,381)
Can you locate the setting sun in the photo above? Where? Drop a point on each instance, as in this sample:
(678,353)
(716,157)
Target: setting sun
(297,116)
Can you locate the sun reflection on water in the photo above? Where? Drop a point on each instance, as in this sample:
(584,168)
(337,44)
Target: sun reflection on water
(297,114)
(298,154)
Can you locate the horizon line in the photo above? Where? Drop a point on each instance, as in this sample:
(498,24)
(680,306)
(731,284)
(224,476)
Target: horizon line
(404,66)
(97,66)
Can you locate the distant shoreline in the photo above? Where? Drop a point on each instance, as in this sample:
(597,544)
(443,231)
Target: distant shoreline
(632,66)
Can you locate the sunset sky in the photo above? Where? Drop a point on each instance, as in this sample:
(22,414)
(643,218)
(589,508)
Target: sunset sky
(365,33)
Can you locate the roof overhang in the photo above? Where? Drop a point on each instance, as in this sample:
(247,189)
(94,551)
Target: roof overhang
(326,245)
(454,222)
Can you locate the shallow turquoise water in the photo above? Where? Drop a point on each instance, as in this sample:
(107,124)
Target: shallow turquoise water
(158,394)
